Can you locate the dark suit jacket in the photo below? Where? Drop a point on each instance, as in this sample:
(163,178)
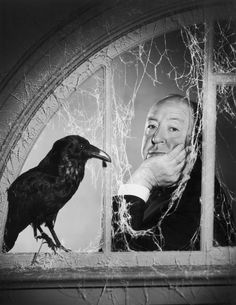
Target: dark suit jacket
(180,228)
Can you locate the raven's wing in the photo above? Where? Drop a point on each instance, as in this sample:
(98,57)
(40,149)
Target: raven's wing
(31,197)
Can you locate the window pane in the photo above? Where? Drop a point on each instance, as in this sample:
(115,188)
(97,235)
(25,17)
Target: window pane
(224,55)
(78,224)
(225,188)
(169,64)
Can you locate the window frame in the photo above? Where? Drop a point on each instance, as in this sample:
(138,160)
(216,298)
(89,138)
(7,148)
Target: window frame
(184,264)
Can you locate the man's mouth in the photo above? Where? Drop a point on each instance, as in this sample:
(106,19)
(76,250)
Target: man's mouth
(155,153)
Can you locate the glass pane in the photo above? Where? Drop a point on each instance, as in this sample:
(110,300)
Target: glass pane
(224,55)
(169,217)
(78,223)
(225,188)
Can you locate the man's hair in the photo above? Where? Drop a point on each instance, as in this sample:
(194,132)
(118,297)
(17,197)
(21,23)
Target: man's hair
(183,99)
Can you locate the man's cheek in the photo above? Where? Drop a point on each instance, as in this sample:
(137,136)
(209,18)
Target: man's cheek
(178,140)
(173,144)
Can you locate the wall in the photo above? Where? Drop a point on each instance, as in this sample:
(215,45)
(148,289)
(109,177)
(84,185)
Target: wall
(42,44)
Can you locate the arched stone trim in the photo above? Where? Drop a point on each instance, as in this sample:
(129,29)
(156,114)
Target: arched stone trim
(36,110)
(67,49)
(72,53)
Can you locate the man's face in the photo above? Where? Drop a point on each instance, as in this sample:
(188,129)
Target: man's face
(168,124)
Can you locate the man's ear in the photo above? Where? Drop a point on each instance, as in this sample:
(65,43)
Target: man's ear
(188,140)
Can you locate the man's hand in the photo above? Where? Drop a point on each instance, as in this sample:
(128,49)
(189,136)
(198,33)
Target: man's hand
(161,170)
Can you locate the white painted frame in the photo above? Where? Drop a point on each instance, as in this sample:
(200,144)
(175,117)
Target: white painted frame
(208,255)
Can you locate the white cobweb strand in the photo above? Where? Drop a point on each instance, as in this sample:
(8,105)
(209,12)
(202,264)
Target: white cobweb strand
(189,79)
(74,119)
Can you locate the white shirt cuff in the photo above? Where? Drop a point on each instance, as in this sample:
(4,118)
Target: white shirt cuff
(134,190)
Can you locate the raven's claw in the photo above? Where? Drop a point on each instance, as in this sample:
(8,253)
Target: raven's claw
(63,248)
(51,244)
(48,240)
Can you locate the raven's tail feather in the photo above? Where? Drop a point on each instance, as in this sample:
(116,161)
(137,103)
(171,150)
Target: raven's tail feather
(10,237)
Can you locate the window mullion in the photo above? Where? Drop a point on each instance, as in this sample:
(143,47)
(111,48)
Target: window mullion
(107,213)
(209,123)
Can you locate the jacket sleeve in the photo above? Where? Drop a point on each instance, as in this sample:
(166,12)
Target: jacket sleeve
(174,232)
(129,226)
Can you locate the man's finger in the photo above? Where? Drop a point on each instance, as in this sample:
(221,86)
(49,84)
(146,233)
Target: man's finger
(180,166)
(181,156)
(174,153)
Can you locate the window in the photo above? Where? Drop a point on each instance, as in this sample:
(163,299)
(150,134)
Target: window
(79,222)
(224,63)
(164,65)
(106,99)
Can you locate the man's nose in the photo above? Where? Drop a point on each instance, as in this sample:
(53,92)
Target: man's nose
(158,137)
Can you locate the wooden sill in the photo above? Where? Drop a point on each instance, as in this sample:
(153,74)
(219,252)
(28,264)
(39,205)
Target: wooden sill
(156,276)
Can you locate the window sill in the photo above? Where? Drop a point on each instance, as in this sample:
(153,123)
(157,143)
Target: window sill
(43,276)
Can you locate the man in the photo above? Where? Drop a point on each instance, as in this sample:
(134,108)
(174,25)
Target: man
(155,216)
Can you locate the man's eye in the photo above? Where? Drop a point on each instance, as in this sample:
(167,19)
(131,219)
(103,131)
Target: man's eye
(151,126)
(173,129)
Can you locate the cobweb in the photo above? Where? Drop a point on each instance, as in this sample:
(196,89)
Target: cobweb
(224,57)
(172,63)
(157,62)
(226,154)
(224,61)
(81,112)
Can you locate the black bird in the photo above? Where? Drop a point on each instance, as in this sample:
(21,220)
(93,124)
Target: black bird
(37,195)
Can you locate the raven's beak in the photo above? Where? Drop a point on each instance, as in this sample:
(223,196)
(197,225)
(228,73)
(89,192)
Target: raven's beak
(94,152)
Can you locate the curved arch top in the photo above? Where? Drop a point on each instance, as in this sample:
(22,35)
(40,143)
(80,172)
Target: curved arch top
(68,58)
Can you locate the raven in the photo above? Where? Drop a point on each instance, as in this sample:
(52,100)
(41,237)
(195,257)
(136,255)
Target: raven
(37,195)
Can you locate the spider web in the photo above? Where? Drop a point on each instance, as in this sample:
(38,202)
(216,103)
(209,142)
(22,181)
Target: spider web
(175,62)
(81,112)
(158,61)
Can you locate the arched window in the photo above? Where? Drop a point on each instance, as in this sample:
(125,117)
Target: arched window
(106,99)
